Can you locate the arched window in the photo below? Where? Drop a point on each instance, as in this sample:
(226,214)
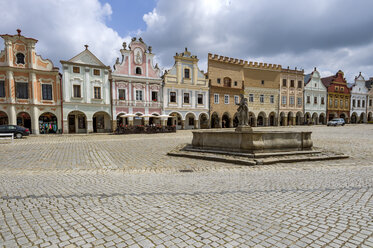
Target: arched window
(20,58)
(138,70)
(227,82)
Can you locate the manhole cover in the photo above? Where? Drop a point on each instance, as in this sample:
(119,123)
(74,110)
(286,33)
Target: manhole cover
(187,170)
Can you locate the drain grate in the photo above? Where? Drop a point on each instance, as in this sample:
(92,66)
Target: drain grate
(186,170)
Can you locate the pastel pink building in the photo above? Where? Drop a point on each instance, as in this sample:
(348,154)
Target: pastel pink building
(136,86)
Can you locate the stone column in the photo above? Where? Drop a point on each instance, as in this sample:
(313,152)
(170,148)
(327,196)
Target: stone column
(114,125)
(285,121)
(130,121)
(294,120)
(196,124)
(164,122)
(35,121)
(12,115)
(89,126)
(182,124)
(266,119)
(255,123)
(146,121)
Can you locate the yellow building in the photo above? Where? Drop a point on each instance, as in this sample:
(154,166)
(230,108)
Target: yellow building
(291,97)
(226,84)
(262,90)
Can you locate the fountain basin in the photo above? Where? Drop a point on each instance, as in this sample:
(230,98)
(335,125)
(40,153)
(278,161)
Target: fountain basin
(248,141)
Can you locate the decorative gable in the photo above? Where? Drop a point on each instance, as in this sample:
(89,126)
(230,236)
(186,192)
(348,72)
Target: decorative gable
(87,58)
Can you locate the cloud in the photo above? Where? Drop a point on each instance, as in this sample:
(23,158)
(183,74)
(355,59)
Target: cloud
(63,27)
(330,35)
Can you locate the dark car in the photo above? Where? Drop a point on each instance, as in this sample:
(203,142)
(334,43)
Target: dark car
(17,131)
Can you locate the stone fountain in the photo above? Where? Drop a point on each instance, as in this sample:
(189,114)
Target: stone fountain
(247,146)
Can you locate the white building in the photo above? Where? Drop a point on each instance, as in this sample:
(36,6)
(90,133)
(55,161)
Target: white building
(186,93)
(359,95)
(86,94)
(369,85)
(315,99)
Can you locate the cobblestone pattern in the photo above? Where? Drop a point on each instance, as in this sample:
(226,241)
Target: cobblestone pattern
(322,204)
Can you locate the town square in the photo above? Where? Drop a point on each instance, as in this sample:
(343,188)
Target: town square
(97,191)
(199,123)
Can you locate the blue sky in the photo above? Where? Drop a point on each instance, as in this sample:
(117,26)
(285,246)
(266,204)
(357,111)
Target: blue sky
(127,16)
(331,35)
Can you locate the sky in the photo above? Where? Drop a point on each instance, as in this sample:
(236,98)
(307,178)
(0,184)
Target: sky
(331,35)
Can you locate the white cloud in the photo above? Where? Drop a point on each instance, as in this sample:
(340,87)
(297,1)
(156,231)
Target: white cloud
(330,35)
(63,27)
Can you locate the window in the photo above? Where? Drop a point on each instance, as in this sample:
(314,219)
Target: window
(315,100)
(218,80)
(370,102)
(186,97)
(96,72)
(226,99)
(358,103)
(236,99)
(216,98)
(186,73)
(2,88)
(81,121)
(76,69)
(342,89)
(299,101)
(46,91)
(76,89)
(200,99)
(330,103)
(354,103)
(172,96)
(363,104)
(235,83)
(341,103)
(284,100)
(20,58)
(227,82)
(336,103)
(291,101)
(251,97)
(97,92)
(283,82)
(272,99)
(299,84)
(138,70)
(122,94)
(138,95)
(346,104)
(336,88)
(322,100)
(22,90)
(262,82)
(155,96)
(292,83)
(261,98)
(308,99)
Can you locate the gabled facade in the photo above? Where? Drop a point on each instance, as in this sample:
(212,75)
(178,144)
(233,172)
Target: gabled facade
(261,84)
(291,97)
(315,99)
(186,93)
(359,98)
(86,94)
(136,87)
(369,85)
(226,80)
(338,97)
(30,87)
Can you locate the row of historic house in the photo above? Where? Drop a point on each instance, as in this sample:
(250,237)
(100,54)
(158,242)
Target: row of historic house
(88,96)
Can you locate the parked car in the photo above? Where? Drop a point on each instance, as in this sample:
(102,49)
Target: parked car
(17,131)
(336,122)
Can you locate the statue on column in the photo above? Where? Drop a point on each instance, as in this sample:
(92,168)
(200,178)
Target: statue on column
(243,112)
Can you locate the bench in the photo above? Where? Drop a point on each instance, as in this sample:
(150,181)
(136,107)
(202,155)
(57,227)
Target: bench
(10,135)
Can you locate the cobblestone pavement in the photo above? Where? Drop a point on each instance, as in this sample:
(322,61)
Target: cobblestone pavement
(123,191)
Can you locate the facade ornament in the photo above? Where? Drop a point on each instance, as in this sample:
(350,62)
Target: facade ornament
(124,44)
(133,39)
(243,112)
(86,47)
(140,39)
(138,56)
(150,49)
(117,61)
